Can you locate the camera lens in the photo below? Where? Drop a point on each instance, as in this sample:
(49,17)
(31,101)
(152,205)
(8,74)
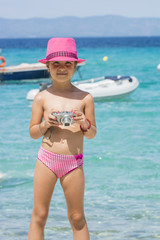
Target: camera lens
(66,121)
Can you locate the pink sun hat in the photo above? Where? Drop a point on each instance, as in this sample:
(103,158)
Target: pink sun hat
(61,49)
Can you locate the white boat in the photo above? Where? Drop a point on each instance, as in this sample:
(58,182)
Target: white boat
(158,67)
(101,88)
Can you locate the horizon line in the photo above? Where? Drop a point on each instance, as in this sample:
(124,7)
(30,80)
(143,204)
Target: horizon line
(69,16)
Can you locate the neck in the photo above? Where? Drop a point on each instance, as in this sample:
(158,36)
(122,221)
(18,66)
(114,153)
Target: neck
(64,86)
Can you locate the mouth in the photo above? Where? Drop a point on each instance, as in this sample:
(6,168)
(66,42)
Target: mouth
(61,74)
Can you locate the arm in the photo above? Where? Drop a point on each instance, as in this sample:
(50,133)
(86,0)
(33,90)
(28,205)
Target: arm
(36,118)
(89,113)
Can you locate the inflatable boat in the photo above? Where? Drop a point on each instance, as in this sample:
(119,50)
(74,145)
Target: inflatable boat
(158,67)
(100,88)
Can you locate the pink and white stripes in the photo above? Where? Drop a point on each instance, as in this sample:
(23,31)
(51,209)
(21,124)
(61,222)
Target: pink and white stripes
(58,163)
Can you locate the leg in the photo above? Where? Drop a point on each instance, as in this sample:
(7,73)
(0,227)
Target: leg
(44,183)
(73,187)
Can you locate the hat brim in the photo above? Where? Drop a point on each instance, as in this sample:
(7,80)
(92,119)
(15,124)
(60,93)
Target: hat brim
(78,60)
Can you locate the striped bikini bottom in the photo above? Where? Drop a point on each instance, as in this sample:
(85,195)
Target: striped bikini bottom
(58,163)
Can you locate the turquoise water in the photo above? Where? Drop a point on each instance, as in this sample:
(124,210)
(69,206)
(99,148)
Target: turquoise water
(122,167)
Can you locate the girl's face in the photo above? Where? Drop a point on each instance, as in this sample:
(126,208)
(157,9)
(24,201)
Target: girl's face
(61,70)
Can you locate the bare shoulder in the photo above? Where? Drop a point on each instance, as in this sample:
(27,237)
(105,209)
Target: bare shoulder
(40,96)
(39,99)
(88,99)
(84,95)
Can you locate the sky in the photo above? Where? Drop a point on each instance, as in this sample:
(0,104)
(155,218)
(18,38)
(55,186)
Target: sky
(23,9)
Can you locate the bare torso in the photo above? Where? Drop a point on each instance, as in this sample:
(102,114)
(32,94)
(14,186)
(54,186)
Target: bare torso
(64,140)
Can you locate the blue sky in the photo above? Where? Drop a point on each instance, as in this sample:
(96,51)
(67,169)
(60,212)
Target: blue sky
(20,9)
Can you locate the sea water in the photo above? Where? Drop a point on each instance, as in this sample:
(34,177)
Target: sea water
(122,163)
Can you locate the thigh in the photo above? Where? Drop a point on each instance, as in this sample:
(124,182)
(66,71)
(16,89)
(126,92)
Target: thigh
(44,183)
(73,185)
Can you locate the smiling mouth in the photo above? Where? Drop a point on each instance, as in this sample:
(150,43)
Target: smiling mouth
(62,74)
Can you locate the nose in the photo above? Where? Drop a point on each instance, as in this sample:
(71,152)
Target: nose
(61,67)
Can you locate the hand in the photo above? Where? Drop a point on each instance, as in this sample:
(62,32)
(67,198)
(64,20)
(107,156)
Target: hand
(80,118)
(51,120)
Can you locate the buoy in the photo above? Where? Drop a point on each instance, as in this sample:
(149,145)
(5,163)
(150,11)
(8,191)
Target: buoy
(3,61)
(105,58)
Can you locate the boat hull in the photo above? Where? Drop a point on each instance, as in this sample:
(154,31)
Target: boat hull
(109,89)
(24,75)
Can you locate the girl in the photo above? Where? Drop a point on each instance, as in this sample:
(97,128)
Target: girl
(61,152)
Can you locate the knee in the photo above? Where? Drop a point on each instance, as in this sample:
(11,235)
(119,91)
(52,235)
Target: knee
(40,216)
(77,220)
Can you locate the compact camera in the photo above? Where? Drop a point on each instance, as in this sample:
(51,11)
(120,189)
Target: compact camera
(64,118)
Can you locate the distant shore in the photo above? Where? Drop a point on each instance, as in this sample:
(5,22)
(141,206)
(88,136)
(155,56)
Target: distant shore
(96,26)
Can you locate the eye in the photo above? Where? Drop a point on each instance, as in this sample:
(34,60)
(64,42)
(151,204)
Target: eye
(68,63)
(55,63)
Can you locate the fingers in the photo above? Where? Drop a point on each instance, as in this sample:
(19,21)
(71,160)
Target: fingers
(79,116)
(51,119)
